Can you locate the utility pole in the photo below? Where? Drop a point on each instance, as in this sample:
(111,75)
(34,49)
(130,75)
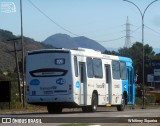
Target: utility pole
(17,67)
(22,47)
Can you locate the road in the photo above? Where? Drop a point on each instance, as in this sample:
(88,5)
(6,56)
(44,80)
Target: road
(102,117)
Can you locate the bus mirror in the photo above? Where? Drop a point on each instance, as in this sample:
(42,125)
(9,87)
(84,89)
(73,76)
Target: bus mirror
(135,78)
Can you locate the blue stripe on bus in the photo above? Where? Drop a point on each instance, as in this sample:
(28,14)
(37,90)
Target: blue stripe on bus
(125,82)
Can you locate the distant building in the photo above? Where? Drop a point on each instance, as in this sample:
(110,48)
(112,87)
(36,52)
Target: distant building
(154,77)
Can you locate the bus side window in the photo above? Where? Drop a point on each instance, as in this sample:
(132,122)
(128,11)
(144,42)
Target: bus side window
(76,66)
(130,75)
(90,67)
(116,69)
(82,70)
(97,68)
(123,70)
(108,74)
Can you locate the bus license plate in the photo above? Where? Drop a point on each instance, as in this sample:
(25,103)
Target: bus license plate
(48,92)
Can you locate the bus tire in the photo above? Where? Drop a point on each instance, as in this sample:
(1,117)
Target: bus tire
(94,103)
(125,97)
(85,108)
(53,110)
(122,106)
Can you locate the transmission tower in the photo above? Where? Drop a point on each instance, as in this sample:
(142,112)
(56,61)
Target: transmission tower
(127,37)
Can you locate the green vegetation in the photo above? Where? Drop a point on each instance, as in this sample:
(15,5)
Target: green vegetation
(7,64)
(14,92)
(15,100)
(148,99)
(135,53)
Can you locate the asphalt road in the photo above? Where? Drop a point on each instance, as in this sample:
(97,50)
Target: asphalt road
(104,116)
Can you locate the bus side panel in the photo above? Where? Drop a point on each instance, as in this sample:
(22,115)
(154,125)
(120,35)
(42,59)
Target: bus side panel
(108,80)
(128,85)
(80,89)
(76,80)
(116,92)
(83,90)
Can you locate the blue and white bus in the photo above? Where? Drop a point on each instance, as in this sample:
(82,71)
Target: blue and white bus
(85,78)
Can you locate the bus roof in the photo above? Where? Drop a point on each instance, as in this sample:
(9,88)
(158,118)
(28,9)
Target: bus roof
(81,51)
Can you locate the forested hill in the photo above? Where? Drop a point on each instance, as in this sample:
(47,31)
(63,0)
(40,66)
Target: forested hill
(7,57)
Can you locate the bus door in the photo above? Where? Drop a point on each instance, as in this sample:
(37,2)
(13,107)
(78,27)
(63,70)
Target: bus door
(108,83)
(130,84)
(83,83)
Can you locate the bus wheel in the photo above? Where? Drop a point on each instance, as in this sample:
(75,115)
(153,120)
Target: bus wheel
(94,105)
(85,109)
(122,106)
(53,110)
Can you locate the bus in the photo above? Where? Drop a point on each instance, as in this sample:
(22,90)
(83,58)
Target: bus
(82,78)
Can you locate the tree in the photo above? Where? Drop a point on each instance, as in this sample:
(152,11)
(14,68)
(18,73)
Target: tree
(111,52)
(124,52)
(136,54)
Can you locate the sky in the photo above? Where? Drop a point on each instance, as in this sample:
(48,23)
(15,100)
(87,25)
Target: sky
(101,20)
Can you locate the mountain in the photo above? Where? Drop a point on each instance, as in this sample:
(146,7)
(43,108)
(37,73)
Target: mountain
(65,41)
(7,56)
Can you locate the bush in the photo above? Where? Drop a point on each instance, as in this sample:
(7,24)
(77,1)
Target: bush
(138,101)
(14,92)
(148,98)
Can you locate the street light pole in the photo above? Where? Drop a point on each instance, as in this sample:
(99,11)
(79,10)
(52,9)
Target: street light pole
(142,16)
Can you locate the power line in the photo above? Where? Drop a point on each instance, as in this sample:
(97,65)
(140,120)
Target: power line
(113,39)
(44,14)
(136,29)
(152,30)
(60,26)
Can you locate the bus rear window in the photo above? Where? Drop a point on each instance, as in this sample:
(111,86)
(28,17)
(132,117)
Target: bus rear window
(48,72)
